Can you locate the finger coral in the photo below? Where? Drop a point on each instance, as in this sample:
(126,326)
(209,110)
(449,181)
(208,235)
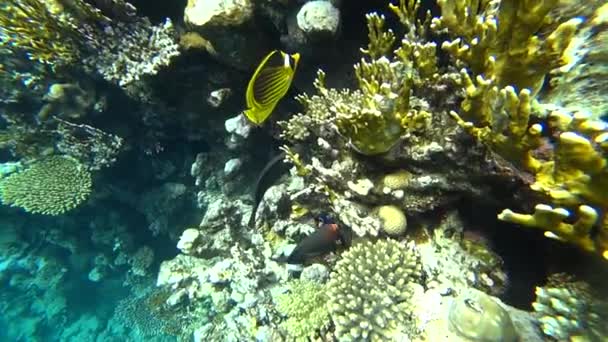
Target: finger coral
(506,49)
(500,39)
(369,291)
(51,186)
(574,180)
(569,310)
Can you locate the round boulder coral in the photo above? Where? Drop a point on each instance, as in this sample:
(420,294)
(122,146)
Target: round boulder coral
(370,289)
(393,219)
(477,317)
(396,180)
(51,186)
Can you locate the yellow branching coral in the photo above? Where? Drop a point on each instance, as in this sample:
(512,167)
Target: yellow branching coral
(35,27)
(380,41)
(576,180)
(48,31)
(499,39)
(506,49)
(503,120)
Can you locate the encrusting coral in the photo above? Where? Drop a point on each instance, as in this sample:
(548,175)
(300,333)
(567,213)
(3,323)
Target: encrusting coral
(369,291)
(51,186)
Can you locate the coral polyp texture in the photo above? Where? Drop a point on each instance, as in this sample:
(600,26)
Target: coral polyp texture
(52,186)
(305,309)
(370,288)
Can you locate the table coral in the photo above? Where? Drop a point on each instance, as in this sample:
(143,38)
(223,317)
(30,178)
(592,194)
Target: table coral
(51,186)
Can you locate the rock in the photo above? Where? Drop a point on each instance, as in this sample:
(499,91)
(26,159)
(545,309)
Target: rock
(239,129)
(238,125)
(95,275)
(187,241)
(176,297)
(218,12)
(217,97)
(229,29)
(319,17)
(232,166)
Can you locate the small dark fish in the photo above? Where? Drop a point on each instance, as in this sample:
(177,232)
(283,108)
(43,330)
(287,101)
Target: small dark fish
(269,174)
(322,241)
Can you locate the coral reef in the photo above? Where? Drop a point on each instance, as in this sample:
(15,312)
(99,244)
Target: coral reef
(504,74)
(439,119)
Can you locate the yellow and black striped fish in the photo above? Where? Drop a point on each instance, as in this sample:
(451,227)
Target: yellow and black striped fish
(269,84)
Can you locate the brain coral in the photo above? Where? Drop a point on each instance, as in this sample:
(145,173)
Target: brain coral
(370,288)
(51,186)
(393,219)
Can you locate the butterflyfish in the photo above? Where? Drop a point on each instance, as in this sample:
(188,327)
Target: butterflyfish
(269,84)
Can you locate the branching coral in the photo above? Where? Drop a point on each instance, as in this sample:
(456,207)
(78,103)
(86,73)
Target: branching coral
(91,146)
(500,39)
(131,50)
(569,310)
(375,117)
(305,307)
(51,186)
(370,288)
(39,28)
(498,42)
(58,32)
(575,180)
(509,47)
